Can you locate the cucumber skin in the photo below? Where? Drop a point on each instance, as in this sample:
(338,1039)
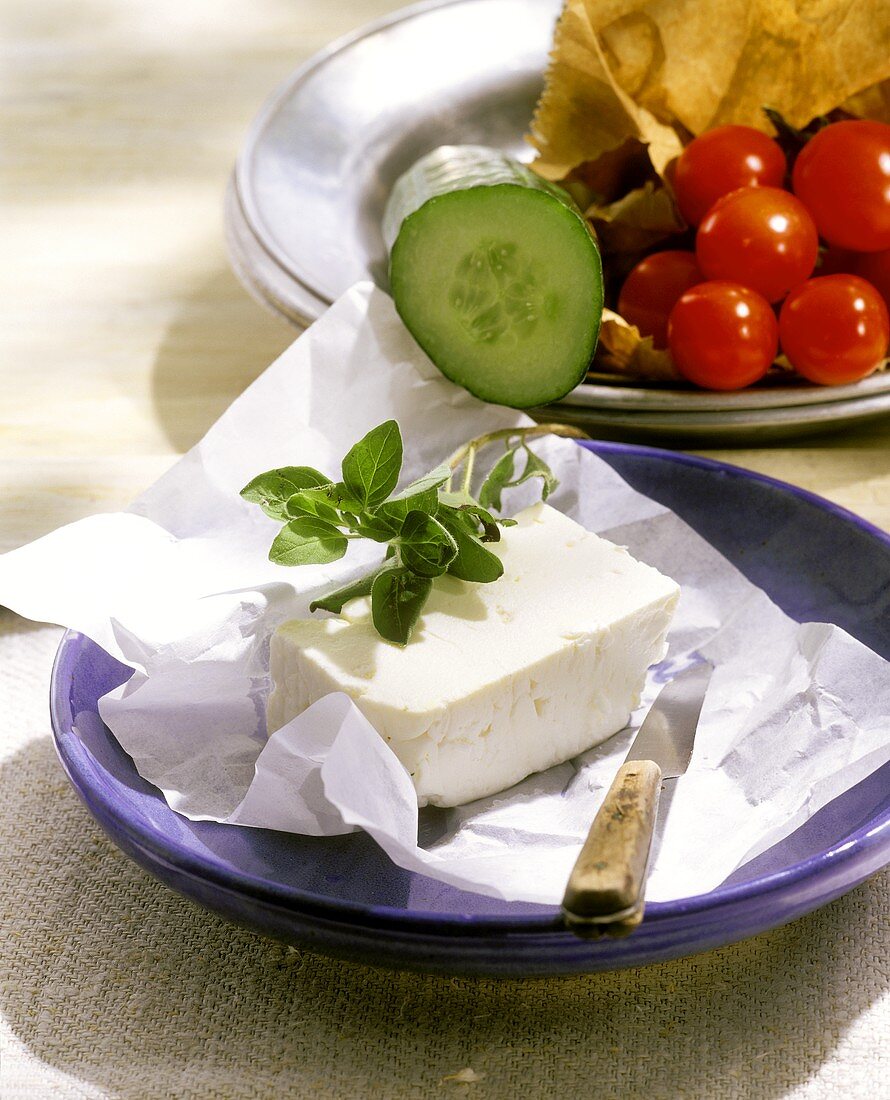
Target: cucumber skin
(464,167)
(458,168)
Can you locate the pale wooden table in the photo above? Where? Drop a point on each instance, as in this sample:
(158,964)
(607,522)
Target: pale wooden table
(124,331)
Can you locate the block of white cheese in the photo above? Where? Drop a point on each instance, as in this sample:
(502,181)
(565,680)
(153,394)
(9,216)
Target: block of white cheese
(499,680)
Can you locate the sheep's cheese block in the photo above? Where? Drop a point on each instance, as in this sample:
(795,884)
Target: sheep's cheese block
(499,680)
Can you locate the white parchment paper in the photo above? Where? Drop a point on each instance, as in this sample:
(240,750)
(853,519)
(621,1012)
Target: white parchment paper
(180,588)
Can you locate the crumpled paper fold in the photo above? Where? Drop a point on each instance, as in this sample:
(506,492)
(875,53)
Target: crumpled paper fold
(180,588)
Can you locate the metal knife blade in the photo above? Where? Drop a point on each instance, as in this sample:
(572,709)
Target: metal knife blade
(605,894)
(668,731)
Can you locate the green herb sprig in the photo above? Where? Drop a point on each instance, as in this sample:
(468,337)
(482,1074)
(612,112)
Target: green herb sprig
(428,527)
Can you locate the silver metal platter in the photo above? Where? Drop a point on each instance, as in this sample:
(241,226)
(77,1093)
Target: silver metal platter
(306,199)
(726,427)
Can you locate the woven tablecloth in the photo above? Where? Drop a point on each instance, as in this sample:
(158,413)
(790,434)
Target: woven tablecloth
(114,986)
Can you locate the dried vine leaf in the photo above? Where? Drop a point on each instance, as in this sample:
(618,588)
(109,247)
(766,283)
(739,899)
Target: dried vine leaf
(623,351)
(637,221)
(583,112)
(661,72)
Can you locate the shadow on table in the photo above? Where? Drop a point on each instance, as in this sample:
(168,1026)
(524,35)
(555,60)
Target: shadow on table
(120,983)
(219,341)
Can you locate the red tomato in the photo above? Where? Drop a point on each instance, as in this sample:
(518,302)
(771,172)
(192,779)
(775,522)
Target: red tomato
(842,176)
(875,267)
(721,160)
(722,336)
(652,289)
(834,329)
(761,237)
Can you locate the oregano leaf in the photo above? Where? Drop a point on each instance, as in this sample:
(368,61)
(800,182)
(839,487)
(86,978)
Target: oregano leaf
(499,478)
(456,499)
(272,490)
(482,516)
(502,476)
(432,480)
(372,525)
(334,601)
(342,499)
(451,517)
(472,561)
(397,599)
(307,541)
(477,520)
(371,468)
(425,546)
(312,502)
(396,509)
(537,467)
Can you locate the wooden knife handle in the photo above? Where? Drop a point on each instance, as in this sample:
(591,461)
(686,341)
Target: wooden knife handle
(605,892)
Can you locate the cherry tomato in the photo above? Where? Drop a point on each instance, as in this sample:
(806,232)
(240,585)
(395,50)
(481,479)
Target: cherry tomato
(875,268)
(834,329)
(722,335)
(721,160)
(761,237)
(842,176)
(652,289)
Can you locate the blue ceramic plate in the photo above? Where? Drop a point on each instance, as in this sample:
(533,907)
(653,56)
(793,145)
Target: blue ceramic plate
(342,896)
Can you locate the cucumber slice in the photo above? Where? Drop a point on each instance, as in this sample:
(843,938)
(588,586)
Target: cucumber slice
(496,274)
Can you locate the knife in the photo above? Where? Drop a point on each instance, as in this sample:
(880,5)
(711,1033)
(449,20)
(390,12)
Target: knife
(605,892)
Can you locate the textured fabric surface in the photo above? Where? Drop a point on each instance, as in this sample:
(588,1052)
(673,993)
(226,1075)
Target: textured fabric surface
(115,987)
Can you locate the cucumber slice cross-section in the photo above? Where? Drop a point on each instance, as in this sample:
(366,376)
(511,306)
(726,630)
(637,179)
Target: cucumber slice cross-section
(496,274)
